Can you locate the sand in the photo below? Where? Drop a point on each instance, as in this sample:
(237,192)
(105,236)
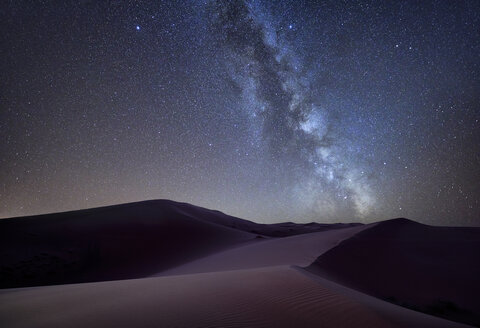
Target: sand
(210,270)
(299,250)
(117,242)
(123,241)
(266,297)
(433,269)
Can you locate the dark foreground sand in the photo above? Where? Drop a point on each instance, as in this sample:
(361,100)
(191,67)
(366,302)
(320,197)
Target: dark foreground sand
(266,297)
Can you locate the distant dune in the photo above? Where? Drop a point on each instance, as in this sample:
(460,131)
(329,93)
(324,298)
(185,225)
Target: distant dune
(213,270)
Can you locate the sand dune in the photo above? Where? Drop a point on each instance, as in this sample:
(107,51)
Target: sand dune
(267,297)
(294,250)
(213,270)
(122,241)
(282,229)
(116,242)
(431,269)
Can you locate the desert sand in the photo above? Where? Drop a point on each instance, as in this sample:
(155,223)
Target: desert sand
(225,273)
(300,250)
(267,297)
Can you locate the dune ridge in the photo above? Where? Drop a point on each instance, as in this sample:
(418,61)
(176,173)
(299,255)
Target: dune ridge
(299,250)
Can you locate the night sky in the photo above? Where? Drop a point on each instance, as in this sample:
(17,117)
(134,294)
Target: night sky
(295,111)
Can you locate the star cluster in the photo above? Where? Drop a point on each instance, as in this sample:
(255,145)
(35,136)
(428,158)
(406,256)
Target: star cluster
(291,110)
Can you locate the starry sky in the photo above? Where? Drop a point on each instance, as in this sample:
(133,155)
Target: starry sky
(271,111)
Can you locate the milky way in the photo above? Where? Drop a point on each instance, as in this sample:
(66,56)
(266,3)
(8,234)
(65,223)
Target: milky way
(277,87)
(303,111)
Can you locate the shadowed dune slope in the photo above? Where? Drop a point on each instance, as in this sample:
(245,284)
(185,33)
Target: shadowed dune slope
(115,242)
(431,269)
(122,241)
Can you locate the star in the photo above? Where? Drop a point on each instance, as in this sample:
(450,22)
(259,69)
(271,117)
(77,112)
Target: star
(233,106)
